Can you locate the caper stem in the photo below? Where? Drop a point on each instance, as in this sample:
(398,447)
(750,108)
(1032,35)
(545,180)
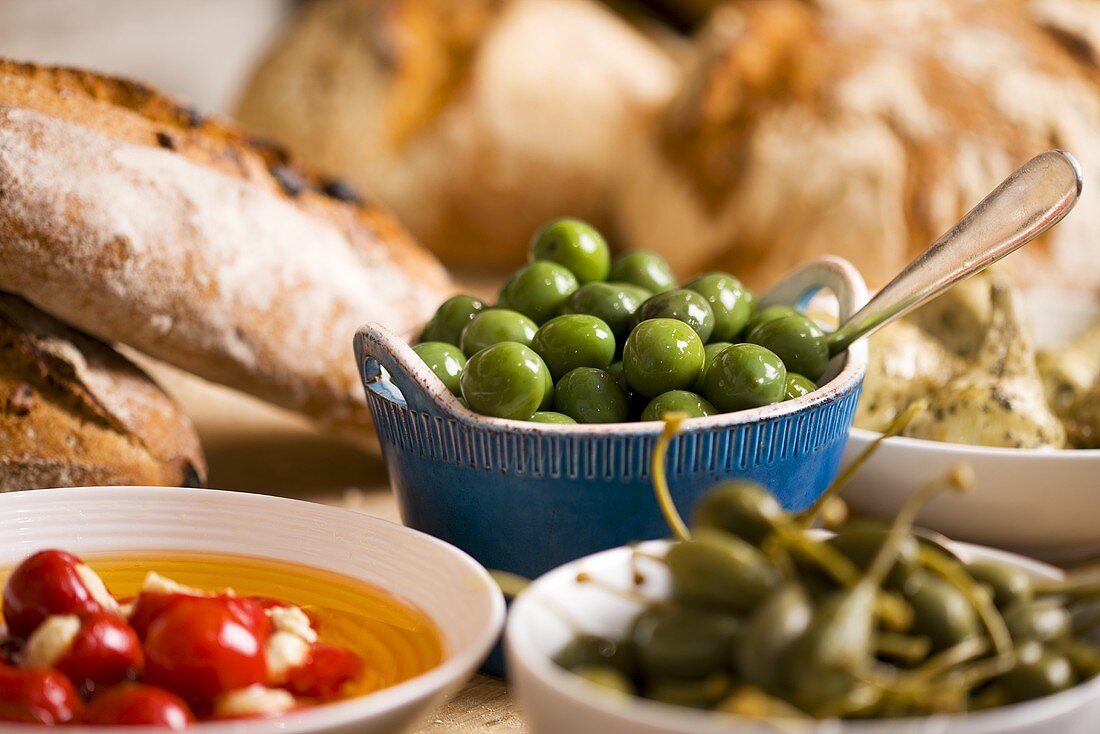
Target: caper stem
(660,476)
(1073,591)
(902,647)
(510,584)
(957,654)
(957,479)
(754,703)
(806,517)
(982,602)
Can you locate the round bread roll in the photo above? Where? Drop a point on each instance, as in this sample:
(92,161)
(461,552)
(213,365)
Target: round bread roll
(866,128)
(74,412)
(475,121)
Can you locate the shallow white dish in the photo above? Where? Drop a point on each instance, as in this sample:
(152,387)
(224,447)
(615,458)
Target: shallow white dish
(442,581)
(1040,503)
(556,701)
(1044,504)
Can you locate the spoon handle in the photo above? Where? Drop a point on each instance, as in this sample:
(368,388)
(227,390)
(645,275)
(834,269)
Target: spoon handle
(1029,202)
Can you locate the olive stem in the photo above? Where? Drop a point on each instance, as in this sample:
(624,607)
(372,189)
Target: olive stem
(660,477)
(806,517)
(991,618)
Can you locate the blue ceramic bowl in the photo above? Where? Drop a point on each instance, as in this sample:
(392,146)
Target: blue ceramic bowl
(527,497)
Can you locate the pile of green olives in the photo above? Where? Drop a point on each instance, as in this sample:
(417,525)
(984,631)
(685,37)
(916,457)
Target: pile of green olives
(618,340)
(874,621)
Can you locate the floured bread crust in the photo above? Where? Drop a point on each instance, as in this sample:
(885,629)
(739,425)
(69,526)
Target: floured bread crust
(140,221)
(74,412)
(866,128)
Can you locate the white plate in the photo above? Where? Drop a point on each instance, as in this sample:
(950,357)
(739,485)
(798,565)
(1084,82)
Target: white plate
(442,581)
(1040,503)
(558,702)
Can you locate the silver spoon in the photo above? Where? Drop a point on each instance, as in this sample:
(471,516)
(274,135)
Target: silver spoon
(1027,203)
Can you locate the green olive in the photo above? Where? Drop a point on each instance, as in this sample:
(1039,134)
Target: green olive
(451,318)
(538,290)
(729,300)
(1038,672)
(645,269)
(682,305)
(769,314)
(1010,585)
(576,245)
(1042,620)
(549,416)
(719,570)
(744,376)
(445,360)
(771,632)
(673,640)
(677,401)
(742,508)
(798,341)
(797,386)
(591,395)
(941,612)
(614,303)
(505,380)
(494,326)
(662,355)
(708,356)
(574,340)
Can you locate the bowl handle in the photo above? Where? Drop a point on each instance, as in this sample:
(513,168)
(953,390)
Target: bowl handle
(378,348)
(834,273)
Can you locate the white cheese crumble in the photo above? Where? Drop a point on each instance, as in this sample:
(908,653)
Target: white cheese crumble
(255,700)
(293,620)
(95,586)
(284,652)
(157,584)
(51,641)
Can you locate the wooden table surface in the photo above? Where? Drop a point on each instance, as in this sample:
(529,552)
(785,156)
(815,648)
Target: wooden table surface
(252,447)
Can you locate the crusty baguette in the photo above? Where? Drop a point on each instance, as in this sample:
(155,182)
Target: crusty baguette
(74,412)
(137,219)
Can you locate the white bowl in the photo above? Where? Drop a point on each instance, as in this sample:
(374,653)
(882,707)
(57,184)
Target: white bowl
(1041,503)
(443,582)
(555,700)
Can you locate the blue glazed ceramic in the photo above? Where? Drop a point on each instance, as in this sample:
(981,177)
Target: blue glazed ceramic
(526,497)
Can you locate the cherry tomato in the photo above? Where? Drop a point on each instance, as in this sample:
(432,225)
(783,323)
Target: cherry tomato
(105,651)
(149,605)
(199,648)
(36,696)
(138,705)
(45,584)
(325,672)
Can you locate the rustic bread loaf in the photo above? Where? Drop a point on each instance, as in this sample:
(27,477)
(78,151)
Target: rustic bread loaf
(477,121)
(74,412)
(139,220)
(865,128)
